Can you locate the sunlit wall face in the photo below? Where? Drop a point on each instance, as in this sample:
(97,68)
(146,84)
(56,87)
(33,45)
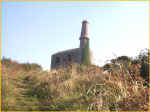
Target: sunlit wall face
(32,31)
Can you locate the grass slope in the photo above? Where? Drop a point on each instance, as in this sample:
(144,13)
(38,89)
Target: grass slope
(76,87)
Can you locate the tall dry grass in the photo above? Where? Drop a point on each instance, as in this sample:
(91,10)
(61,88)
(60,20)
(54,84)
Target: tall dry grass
(75,87)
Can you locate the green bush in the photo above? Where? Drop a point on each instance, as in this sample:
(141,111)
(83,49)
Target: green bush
(143,60)
(143,57)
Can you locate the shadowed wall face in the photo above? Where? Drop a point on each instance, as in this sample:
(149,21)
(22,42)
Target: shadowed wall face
(66,57)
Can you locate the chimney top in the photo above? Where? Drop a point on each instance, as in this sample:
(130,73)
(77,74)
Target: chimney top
(84,29)
(85,21)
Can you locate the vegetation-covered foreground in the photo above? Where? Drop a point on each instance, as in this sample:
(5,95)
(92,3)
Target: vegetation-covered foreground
(119,85)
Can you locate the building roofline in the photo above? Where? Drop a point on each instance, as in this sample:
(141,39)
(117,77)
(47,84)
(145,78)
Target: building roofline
(69,50)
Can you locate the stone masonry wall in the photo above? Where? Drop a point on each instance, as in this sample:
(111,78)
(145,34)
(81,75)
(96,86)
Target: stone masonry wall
(65,57)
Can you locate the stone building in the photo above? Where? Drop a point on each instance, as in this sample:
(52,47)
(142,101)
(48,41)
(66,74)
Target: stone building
(72,55)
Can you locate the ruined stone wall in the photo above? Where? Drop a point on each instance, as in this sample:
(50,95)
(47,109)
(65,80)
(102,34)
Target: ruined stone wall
(65,57)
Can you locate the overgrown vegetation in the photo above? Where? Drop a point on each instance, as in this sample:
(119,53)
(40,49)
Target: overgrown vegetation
(16,66)
(85,58)
(142,59)
(117,86)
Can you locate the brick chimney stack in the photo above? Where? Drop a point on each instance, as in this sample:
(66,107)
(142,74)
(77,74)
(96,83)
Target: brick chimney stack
(84,30)
(84,34)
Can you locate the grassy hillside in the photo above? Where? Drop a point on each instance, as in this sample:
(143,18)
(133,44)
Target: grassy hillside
(77,87)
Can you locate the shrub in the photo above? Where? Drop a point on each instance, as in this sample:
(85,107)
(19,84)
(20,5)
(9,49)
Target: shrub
(143,60)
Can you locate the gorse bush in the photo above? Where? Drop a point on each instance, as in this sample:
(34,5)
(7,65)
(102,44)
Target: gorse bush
(75,87)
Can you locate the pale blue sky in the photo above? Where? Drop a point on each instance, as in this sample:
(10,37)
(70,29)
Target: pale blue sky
(33,31)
